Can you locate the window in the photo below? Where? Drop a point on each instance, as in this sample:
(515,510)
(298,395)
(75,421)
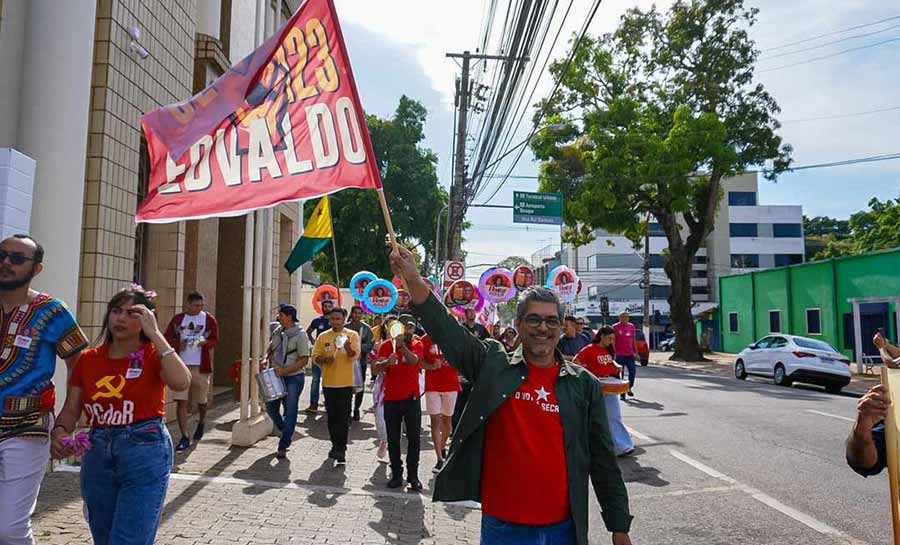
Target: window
(660,292)
(741,198)
(765,342)
(700,290)
(743,230)
(787,230)
(777,342)
(774,321)
(745,261)
(655,230)
(698,274)
(733,322)
(813,321)
(657,261)
(699,260)
(783,260)
(813,344)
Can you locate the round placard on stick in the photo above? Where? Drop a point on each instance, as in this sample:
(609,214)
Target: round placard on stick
(325,292)
(523,277)
(380,296)
(564,282)
(496,285)
(359,282)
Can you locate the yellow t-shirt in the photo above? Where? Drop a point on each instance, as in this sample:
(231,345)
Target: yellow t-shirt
(339,373)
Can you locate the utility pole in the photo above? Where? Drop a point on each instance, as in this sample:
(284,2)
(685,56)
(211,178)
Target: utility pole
(646,283)
(458,186)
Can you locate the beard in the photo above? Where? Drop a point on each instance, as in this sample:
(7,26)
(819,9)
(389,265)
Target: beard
(9,285)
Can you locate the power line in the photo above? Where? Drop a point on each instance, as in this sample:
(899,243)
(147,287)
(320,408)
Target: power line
(819,46)
(841,116)
(814,59)
(813,38)
(871,159)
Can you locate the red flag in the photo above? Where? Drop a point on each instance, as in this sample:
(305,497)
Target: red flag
(284,124)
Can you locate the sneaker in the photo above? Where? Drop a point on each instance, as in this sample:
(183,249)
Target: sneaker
(184,444)
(382,451)
(312,409)
(340,460)
(415,484)
(198,433)
(622,396)
(356,415)
(438,466)
(627,453)
(281,454)
(630,393)
(395,482)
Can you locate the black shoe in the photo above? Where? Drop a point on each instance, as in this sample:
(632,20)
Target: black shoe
(622,396)
(444,454)
(281,454)
(630,393)
(184,444)
(415,484)
(395,482)
(356,415)
(438,466)
(198,433)
(340,460)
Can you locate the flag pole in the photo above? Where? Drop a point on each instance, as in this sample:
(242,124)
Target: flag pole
(890,433)
(387,218)
(337,275)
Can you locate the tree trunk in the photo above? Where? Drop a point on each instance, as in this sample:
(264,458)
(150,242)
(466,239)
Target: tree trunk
(678,269)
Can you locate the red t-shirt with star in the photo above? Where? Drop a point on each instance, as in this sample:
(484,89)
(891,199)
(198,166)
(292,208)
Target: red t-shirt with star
(524,477)
(598,361)
(443,379)
(401,381)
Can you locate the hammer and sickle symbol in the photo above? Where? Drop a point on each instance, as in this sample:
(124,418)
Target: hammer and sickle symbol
(111,391)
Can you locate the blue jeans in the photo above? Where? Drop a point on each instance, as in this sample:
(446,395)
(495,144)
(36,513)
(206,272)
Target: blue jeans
(621,439)
(124,477)
(291,402)
(628,363)
(316,381)
(497,532)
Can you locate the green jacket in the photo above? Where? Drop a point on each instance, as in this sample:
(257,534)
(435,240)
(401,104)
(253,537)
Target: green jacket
(495,376)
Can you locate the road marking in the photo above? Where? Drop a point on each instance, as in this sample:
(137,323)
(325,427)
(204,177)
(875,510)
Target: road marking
(66,468)
(685,492)
(639,435)
(765,499)
(831,415)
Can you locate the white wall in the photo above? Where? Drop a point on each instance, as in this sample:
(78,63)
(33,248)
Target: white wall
(767,246)
(12,43)
(243,21)
(766,214)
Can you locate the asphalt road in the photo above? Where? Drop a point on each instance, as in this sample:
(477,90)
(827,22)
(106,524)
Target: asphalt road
(722,461)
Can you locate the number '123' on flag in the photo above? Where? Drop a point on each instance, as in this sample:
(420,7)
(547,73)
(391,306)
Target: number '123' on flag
(284,124)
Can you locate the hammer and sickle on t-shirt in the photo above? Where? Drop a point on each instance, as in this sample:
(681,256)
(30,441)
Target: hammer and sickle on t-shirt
(111,391)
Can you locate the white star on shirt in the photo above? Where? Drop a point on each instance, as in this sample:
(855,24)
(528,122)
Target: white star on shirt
(543,395)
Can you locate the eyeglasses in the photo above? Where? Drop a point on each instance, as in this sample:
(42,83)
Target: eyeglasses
(16,258)
(533,320)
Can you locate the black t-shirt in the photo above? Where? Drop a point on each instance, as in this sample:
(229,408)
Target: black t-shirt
(319,326)
(478,330)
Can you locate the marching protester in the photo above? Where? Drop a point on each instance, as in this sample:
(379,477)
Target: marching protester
(336,351)
(366,342)
(571,342)
(378,405)
(120,387)
(317,327)
(474,327)
(866,449)
(510,339)
(41,328)
(289,355)
(441,390)
(399,359)
(583,328)
(626,349)
(598,358)
(530,414)
(195,332)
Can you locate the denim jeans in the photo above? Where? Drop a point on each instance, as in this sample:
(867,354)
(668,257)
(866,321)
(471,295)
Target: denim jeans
(621,439)
(316,381)
(291,402)
(497,532)
(628,363)
(124,477)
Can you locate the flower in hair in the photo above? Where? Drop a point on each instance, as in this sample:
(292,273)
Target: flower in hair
(149,294)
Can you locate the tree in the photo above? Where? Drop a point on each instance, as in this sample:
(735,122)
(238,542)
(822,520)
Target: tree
(824,235)
(649,121)
(409,175)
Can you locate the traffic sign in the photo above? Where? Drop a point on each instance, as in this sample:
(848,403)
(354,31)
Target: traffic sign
(544,208)
(453,271)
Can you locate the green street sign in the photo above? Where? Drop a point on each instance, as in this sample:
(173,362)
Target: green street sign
(545,208)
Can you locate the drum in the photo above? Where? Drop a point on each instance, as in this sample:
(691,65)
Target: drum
(614,386)
(271,387)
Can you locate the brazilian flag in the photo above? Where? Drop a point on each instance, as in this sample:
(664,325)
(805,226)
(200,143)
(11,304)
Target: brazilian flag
(316,236)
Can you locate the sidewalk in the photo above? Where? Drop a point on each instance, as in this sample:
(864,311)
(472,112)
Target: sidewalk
(722,364)
(220,494)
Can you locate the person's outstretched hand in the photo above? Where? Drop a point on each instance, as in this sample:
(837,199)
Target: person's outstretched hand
(403,263)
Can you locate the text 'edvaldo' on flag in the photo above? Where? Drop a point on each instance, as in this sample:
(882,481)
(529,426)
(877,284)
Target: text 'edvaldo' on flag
(284,124)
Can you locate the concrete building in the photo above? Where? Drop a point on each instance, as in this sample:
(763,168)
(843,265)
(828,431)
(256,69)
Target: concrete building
(747,235)
(77,76)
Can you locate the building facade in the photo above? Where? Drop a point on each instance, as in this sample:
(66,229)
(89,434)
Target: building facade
(842,302)
(73,104)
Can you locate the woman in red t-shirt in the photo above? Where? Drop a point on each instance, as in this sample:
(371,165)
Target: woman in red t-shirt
(599,358)
(441,390)
(119,385)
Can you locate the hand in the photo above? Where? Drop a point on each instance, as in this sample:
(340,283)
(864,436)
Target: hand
(403,263)
(620,538)
(873,407)
(57,450)
(349,350)
(148,321)
(326,359)
(392,359)
(279,372)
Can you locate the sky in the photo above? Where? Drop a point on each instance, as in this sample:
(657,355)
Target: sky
(398,47)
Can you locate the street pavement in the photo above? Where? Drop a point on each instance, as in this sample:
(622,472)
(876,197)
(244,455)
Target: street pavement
(719,461)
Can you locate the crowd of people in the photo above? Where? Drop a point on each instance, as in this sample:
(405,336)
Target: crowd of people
(502,403)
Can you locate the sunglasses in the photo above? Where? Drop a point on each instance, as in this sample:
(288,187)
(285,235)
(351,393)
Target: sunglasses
(16,258)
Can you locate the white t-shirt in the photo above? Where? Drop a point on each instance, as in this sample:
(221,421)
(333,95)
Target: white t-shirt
(191,331)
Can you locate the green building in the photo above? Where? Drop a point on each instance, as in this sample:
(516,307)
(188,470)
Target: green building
(841,301)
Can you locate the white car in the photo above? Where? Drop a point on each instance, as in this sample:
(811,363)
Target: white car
(788,358)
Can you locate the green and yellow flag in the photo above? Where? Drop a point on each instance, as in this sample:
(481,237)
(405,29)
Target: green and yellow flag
(316,236)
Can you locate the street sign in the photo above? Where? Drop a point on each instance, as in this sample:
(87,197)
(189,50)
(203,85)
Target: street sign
(453,271)
(545,208)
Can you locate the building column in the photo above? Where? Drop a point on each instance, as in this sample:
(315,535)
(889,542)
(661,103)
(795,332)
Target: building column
(857,336)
